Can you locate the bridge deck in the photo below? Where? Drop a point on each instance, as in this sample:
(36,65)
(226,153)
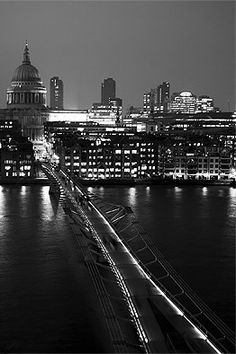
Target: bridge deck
(146,295)
(161,325)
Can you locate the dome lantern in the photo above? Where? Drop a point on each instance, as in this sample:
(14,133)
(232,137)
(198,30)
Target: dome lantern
(26,56)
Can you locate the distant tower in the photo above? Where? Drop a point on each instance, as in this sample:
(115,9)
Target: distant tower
(108,91)
(56,93)
(163,95)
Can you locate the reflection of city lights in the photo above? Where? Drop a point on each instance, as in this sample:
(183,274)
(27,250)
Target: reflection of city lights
(178,193)
(232,192)
(132,195)
(232,173)
(23,190)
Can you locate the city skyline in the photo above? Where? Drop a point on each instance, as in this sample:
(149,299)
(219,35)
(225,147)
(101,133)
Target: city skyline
(86,43)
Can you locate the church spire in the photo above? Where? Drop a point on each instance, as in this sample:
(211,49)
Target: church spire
(26,56)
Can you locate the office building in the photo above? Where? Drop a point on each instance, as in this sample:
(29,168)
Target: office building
(184,102)
(205,104)
(156,100)
(162,97)
(197,157)
(108,91)
(114,156)
(149,101)
(56,93)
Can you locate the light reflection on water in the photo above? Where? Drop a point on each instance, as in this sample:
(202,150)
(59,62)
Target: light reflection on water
(204,191)
(46,302)
(132,196)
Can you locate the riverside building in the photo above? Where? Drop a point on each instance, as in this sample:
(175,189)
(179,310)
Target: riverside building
(118,156)
(17,159)
(197,157)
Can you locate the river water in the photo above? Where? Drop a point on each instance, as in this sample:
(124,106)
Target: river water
(46,298)
(195,228)
(46,301)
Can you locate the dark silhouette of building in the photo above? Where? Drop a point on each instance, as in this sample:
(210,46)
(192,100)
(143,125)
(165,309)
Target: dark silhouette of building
(56,93)
(163,95)
(108,91)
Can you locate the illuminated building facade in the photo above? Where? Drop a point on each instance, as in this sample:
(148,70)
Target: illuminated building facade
(149,102)
(184,102)
(110,157)
(56,93)
(197,157)
(156,100)
(205,104)
(107,115)
(108,91)
(17,159)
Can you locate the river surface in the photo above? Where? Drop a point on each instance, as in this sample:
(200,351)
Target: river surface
(195,228)
(46,301)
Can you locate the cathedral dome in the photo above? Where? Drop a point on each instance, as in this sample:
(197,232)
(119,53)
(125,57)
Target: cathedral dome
(26,71)
(27,89)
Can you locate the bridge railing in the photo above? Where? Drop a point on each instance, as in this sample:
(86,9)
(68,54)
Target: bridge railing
(88,246)
(129,229)
(153,262)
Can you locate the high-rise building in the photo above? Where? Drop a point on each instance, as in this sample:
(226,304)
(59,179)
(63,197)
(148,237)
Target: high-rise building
(156,100)
(108,91)
(162,98)
(148,101)
(56,93)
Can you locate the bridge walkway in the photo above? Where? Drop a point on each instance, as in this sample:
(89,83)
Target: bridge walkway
(161,325)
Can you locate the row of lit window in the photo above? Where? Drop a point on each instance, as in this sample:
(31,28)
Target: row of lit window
(187,170)
(14,168)
(90,175)
(15,174)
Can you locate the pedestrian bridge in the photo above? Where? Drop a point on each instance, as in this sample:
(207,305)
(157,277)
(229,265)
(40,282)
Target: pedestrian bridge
(148,308)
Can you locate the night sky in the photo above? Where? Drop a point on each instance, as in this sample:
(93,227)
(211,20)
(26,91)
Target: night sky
(191,44)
